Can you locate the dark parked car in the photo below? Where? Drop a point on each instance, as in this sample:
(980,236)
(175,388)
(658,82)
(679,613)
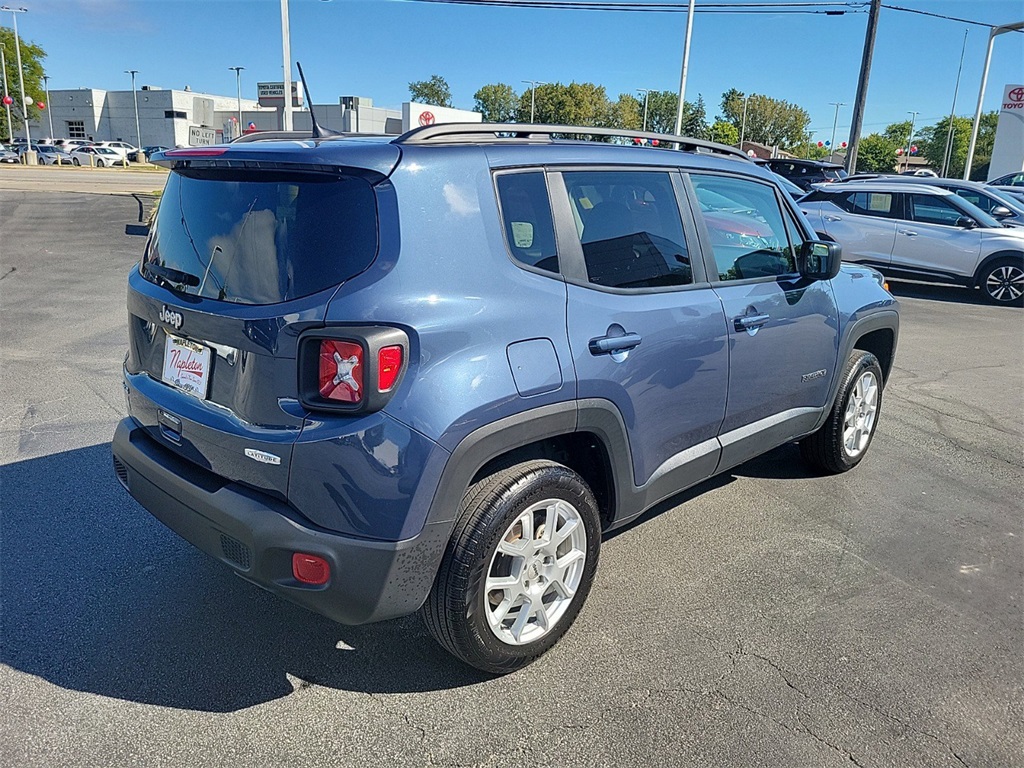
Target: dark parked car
(804,173)
(1009,180)
(377,376)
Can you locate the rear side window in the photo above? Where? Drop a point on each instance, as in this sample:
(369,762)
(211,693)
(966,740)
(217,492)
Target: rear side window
(526,219)
(748,237)
(261,238)
(881,204)
(629,227)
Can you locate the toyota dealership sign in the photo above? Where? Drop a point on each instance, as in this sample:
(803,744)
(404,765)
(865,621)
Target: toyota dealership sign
(1008,152)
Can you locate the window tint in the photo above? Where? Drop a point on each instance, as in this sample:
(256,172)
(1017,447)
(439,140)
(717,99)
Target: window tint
(526,218)
(748,237)
(629,226)
(260,237)
(931,209)
(868,203)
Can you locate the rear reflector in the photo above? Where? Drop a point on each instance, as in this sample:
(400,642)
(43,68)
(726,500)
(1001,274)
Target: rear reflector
(310,569)
(389,366)
(341,371)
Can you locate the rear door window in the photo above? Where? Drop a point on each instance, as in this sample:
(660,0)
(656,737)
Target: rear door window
(630,228)
(261,237)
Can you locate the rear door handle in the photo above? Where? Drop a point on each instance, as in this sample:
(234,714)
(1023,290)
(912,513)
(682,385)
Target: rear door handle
(833,218)
(606,344)
(750,322)
(908,233)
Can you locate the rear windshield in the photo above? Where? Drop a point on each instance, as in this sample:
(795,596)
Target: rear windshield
(833,173)
(260,238)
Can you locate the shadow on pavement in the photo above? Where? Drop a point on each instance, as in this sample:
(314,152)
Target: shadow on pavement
(99,597)
(948,293)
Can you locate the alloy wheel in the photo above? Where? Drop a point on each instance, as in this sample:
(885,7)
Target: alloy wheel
(861,410)
(1005,283)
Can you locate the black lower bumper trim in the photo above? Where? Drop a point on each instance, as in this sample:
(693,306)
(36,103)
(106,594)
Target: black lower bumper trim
(370,580)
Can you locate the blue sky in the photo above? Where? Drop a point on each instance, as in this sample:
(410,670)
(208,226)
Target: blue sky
(375,47)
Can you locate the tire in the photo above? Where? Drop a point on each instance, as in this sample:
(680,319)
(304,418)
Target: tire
(75,161)
(99,163)
(1002,281)
(480,620)
(839,446)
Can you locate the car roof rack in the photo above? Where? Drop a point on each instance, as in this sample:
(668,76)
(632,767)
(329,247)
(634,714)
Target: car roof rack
(246,138)
(488,133)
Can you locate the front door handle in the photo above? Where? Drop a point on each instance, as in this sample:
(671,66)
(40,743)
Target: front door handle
(908,232)
(833,218)
(750,322)
(605,344)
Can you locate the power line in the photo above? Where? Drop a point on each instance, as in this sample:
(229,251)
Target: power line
(782,9)
(940,16)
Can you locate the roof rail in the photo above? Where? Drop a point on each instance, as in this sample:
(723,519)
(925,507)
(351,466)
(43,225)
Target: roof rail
(246,138)
(485,133)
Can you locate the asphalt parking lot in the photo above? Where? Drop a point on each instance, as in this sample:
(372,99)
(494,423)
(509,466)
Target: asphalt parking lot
(766,618)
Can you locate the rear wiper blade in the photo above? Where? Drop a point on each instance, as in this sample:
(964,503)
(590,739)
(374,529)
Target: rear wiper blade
(174,275)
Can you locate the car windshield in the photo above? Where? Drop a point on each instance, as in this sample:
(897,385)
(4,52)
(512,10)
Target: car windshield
(261,238)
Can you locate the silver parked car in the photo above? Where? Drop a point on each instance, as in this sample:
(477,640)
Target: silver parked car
(47,154)
(921,232)
(8,156)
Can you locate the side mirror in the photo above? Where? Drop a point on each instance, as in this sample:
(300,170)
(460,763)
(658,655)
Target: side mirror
(820,260)
(966,222)
(1001,212)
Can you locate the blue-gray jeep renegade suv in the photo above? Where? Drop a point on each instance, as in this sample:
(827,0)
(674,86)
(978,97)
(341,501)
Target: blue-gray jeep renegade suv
(376,375)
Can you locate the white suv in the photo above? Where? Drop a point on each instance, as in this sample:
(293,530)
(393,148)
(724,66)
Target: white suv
(920,232)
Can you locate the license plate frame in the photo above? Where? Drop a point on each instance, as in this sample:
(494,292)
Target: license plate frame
(187,366)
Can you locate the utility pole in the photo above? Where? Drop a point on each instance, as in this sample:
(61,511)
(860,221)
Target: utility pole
(947,155)
(686,67)
(862,85)
(135,96)
(835,122)
(533,95)
(21,79)
(910,141)
(286,115)
(646,92)
(10,125)
(49,114)
(996,31)
(238,92)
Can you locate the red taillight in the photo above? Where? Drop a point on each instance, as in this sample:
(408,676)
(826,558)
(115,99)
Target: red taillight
(389,366)
(341,371)
(310,569)
(196,152)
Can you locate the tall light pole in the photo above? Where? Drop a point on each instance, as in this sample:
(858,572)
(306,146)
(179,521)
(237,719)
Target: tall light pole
(21,79)
(996,31)
(238,90)
(743,123)
(49,114)
(946,156)
(857,120)
(910,140)
(286,115)
(10,125)
(646,92)
(835,122)
(686,67)
(135,95)
(533,95)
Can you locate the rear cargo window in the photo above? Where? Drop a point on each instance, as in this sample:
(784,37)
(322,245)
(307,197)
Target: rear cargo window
(261,237)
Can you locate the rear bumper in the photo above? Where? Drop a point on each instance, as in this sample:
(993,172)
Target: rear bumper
(256,536)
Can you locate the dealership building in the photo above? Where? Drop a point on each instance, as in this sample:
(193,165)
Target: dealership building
(172,118)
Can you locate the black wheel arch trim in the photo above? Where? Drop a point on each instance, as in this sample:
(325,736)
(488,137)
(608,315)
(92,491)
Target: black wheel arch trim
(1018,255)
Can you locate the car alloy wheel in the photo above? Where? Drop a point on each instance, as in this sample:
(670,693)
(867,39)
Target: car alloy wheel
(1005,283)
(861,410)
(535,571)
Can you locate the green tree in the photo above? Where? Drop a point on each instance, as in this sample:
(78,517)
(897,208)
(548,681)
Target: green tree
(497,102)
(32,69)
(573,104)
(661,114)
(724,133)
(628,112)
(769,121)
(434,91)
(898,133)
(933,144)
(877,154)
